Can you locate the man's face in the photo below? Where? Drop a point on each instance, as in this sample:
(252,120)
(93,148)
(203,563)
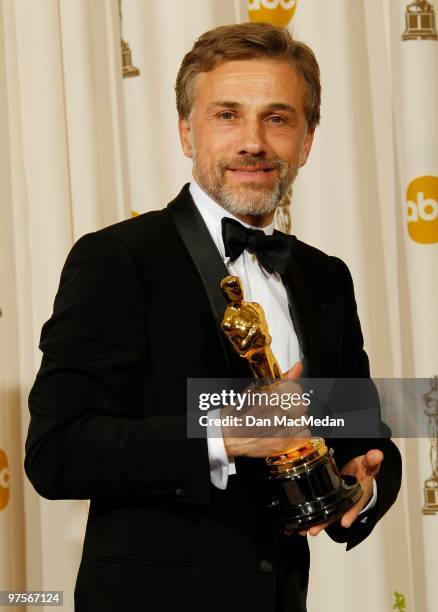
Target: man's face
(247,134)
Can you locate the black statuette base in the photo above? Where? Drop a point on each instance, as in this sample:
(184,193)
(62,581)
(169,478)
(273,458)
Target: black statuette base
(311,496)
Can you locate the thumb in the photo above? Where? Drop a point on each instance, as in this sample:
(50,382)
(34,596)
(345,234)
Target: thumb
(373,459)
(295,371)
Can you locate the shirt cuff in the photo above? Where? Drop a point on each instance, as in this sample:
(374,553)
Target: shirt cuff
(220,466)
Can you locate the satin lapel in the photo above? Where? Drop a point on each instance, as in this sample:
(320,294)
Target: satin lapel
(209,264)
(305,318)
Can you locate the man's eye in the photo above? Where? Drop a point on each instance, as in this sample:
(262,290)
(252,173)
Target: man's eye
(276,119)
(226,115)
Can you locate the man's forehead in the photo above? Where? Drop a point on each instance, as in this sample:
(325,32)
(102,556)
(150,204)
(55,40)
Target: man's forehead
(257,68)
(232,79)
(245,79)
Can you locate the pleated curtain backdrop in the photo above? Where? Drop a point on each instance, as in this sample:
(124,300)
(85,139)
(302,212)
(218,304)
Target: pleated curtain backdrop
(64,174)
(82,148)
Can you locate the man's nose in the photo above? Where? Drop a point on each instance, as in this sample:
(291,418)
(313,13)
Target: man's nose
(252,138)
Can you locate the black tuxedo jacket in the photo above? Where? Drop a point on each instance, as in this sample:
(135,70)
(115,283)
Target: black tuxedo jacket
(137,313)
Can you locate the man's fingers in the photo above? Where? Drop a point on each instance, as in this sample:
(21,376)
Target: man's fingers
(352,514)
(315,529)
(349,517)
(365,466)
(295,372)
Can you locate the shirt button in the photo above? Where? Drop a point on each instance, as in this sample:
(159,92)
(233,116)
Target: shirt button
(253,257)
(266,566)
(180,493)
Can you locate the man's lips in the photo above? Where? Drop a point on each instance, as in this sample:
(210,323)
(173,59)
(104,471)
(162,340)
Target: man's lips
(251,169)
(252,173)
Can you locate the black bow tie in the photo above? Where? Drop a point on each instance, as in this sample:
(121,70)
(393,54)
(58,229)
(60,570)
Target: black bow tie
(273,252)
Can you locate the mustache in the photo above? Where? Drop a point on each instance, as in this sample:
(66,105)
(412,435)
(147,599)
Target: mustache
(252,162)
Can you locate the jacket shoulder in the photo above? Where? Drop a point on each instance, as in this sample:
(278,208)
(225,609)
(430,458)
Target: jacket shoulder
(131,231)
(150,227)
(137,237)
(320,265)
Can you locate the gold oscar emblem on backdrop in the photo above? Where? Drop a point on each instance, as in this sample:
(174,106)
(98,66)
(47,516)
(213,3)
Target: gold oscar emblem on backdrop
(420,21)
(283,220)
(305,485)
(276,12)
(4,480)
(128,70)
(431,484)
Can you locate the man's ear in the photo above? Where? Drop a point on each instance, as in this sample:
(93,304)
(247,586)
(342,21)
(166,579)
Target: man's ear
(307,145)
(185,136)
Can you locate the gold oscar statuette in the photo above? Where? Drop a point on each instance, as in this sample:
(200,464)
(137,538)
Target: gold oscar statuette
(305,485)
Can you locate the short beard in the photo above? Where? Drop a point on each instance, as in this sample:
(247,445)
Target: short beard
(253,199)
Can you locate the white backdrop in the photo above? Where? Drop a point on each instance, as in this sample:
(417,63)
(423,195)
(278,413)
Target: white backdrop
(81,148)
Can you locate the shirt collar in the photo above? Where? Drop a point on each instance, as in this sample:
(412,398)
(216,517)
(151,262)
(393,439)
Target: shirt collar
(212,214)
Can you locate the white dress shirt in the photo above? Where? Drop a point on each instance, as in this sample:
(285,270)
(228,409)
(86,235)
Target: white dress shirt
(259,286)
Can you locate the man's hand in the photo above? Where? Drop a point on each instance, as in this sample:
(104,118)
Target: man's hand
(273,440)
(364,468)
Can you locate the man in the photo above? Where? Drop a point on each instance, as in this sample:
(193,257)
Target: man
(178,522)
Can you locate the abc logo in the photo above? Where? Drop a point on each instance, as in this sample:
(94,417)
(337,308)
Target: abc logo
(422,209)
(4,480)
(277,12)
